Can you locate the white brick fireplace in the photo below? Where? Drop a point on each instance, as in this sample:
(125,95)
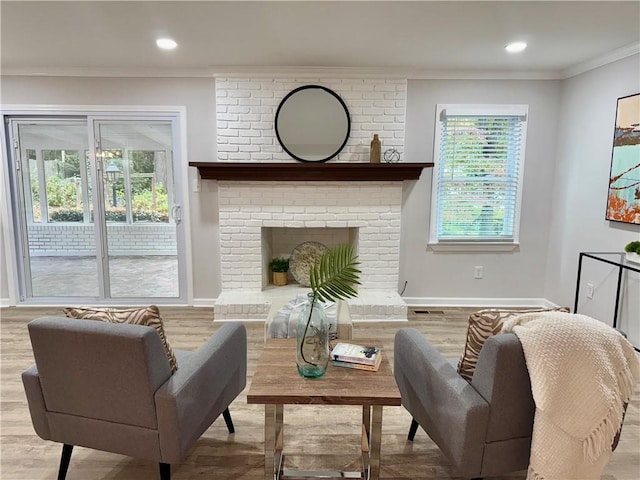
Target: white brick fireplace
(366,213)
(370,209)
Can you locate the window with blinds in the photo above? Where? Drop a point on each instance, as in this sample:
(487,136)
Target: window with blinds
(479,153)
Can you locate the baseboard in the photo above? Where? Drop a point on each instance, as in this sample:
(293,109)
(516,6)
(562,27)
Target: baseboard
(5,302)
(478,302)
(112,303)
(242,320)
(379,320)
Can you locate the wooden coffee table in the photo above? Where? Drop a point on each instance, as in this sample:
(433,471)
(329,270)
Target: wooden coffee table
(276,382)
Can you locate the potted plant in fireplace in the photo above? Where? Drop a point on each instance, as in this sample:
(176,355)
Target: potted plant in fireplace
(279,266)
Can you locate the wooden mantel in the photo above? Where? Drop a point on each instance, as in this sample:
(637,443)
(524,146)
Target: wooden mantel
(288,171)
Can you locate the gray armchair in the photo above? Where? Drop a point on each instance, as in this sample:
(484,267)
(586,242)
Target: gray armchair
(109,387)
(483,427)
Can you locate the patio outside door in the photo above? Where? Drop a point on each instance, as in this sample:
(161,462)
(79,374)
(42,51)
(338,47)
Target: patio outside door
(98,223)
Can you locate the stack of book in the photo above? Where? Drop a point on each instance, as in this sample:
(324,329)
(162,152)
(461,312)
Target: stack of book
(362,357)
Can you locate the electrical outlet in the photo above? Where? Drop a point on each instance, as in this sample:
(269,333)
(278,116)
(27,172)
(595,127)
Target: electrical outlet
(478,271)
(590,291)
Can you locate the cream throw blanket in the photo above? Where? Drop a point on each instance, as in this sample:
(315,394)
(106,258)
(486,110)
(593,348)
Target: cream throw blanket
(582,372)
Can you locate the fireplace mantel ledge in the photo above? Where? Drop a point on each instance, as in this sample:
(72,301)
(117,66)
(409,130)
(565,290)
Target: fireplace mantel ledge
(288,171)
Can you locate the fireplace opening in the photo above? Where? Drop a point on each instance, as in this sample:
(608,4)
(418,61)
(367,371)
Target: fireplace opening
(280,242)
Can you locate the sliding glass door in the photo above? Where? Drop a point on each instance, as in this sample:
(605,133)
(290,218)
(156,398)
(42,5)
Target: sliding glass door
(54,203)
(97,208)
(141,236)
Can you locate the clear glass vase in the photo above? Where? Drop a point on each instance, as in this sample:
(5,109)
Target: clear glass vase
(312,334)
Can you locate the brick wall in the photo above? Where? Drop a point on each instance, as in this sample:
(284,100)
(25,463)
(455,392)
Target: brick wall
(69,239)
(246,110)
(247,207)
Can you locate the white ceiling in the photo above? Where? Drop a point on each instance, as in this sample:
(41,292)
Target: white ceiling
(393,36)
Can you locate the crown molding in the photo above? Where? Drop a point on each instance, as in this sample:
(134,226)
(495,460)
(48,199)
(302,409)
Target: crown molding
(483,75)
(106,72)
(602,60)
(278,72)
(306,71)
(409,73)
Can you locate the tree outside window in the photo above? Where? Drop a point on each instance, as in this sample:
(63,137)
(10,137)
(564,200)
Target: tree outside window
(140,190)
(63,184)
(477,183)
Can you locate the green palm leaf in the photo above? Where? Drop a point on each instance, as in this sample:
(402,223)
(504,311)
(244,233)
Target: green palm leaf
(332,278)
(334,275)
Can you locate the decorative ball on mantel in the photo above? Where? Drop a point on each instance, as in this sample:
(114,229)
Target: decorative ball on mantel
(391,155)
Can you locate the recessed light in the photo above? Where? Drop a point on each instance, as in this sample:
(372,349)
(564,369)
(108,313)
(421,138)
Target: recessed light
(515,47)
(166,43)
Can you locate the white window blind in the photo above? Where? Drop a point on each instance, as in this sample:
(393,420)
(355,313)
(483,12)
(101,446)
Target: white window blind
(478,176)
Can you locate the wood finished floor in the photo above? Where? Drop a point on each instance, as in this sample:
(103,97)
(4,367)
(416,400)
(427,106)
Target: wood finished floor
(333,432)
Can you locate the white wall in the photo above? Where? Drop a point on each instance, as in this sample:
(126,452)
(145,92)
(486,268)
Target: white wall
(512,275)
(428,274)
(588,109)
(197,95)
(571,213)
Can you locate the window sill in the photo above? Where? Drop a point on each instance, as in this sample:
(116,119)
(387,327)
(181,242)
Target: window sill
(473,247)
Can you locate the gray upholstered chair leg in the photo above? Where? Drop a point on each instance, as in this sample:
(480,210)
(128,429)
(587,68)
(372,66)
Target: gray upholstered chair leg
(64,461)
(412,430)
(228,421)
(165,471)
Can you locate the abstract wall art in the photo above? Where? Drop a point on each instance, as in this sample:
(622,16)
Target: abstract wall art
(623,201)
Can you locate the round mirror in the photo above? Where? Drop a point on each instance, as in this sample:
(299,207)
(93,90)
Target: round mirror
(312,123)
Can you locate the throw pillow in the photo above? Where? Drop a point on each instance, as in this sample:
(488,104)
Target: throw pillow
(148,316)
(482,325)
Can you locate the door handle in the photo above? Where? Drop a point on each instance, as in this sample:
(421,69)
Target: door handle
(176,212)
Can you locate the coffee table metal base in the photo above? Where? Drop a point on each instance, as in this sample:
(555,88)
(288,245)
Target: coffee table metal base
(274,443)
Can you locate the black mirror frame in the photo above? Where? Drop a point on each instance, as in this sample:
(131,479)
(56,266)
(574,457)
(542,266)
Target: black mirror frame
(346,111)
